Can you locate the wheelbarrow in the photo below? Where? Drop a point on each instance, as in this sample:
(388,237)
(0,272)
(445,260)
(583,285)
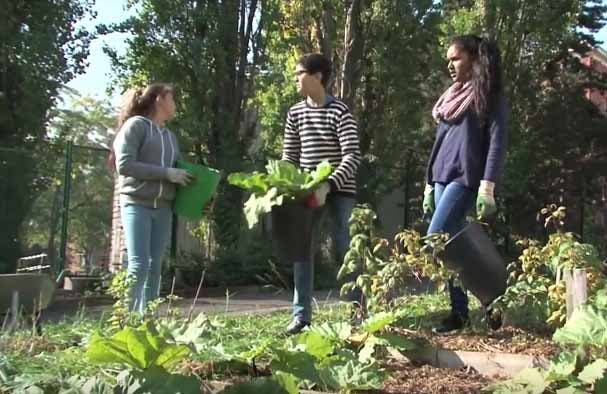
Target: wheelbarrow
(26,292)
(472,254)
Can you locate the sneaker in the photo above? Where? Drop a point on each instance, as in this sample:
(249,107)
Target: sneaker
(453,322)
(296,325)
(493,318)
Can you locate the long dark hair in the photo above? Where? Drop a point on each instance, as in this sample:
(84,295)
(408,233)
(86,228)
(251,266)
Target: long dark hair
(138,101)
(486,71)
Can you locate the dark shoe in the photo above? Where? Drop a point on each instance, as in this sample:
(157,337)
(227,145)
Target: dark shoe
(453,322)
(296,325)
(493,318)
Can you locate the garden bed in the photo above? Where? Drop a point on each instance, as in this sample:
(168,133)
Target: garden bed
(506,340)
(414,378)
(61,350)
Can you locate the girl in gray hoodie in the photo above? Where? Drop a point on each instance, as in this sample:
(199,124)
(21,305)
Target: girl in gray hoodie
(145,153)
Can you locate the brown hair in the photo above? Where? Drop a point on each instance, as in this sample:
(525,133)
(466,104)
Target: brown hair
(138,101)
(142,101)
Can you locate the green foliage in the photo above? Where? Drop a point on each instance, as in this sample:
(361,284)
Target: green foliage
(210,52)
(536,283)
(587,327)
(157,380)
(582,364)
(286,384)
(135,348)
(120,290)
(283,180)
(43,48)
(385,269)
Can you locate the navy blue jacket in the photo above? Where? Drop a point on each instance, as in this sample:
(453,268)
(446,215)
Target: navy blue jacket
(465,153)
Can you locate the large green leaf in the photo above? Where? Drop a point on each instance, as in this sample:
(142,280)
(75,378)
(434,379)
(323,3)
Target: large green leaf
(338,332)
(136,348)
(316,344)
(259,385)
(562,367)
(352,375)
(587,326)
(257,206)
(593,371)
(171,355)
(378,322)
(283,180)
(395,341)
(600,386)
(255,182)
(104,350)
(571,390)
(139,347)
(288,382)
(319,175)
(298,364)
(528,381)
(156,380)
(366,353)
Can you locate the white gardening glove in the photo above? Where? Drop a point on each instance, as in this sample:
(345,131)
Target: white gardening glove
(319,196)
(485,201)
(179,176)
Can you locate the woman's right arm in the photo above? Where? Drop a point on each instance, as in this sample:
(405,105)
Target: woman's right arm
(126,148)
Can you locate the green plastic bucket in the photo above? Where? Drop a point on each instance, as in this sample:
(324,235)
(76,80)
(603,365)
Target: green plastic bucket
(191,199)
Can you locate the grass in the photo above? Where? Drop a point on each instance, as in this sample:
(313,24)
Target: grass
(50,359)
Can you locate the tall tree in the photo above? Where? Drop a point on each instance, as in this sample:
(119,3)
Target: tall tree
(208,50)
(557,142)
(41,50)
(384,55)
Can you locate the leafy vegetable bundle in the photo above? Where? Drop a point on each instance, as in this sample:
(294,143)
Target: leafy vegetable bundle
(283,182)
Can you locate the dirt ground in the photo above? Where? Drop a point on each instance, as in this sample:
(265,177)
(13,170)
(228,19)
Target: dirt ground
(409,378)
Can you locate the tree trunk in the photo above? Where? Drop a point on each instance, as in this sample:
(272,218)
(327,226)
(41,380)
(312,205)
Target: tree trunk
(353,51)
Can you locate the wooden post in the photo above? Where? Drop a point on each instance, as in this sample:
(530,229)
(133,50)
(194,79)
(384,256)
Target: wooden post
(577,289)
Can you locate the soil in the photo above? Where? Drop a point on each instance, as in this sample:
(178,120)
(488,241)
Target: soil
(410,378)
(505,340)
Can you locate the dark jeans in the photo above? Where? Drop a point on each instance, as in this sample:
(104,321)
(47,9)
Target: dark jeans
(452,201)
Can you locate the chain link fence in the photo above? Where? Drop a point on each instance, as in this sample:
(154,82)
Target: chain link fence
(57,203)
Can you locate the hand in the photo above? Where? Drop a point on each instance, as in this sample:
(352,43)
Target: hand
(179,176)
(319,196)
(485,202)
(428,203)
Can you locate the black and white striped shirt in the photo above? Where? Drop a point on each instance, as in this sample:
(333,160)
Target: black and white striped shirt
(315,134)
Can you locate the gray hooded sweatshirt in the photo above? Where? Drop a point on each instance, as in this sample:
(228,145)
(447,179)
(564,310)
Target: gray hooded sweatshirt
(143,152)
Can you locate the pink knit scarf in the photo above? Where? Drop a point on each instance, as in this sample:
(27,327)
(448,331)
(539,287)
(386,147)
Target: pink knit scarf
(454,102)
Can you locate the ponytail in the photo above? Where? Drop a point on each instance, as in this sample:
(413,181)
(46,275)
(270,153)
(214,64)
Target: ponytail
(137,101)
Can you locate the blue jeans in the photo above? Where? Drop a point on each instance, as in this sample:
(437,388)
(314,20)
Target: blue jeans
(452,201)
(147,232)
(340,208)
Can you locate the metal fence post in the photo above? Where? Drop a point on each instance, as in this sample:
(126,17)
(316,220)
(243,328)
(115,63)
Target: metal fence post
(67,186)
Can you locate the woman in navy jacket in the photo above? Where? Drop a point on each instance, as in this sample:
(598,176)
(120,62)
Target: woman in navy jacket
(468,155)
